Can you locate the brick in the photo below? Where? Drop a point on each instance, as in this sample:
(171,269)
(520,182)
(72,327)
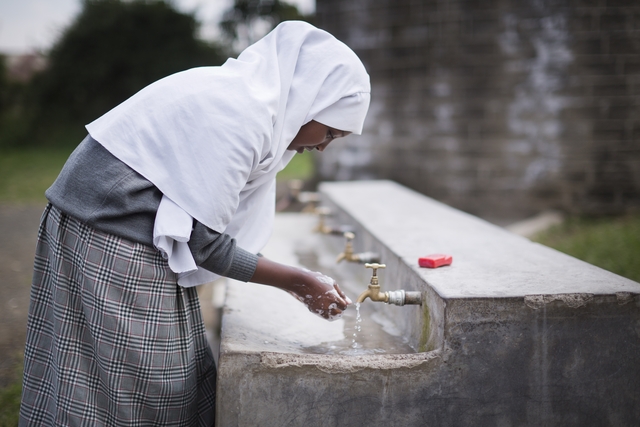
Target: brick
(584,20)
(634,19)
(621,3)
(606,67)
(630,64)
(587,3)
(591,43)
(623,112)
(624,44)
(472,157)
(613,20)
(610,87)
(606,134)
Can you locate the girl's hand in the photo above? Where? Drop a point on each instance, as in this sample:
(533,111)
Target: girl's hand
(321,294)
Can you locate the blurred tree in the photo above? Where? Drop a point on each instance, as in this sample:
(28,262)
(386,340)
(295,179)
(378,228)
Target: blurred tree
(248,20)
(113,49)
(3,83)
(13,94)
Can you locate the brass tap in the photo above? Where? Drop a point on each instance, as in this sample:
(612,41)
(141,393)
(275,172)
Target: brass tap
(399,297)
(309,199)
(294,194)
(348,255)
(373,292)
(322,228)
(295,187)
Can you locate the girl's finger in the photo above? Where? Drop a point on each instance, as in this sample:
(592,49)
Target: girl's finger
(345,298)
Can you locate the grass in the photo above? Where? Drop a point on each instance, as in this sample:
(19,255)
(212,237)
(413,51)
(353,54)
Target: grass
(10,400)
(26,174)
(300,167)
(10,404)
(609,243)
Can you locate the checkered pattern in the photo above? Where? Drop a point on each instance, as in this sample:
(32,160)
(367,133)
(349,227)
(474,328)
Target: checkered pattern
(112,339)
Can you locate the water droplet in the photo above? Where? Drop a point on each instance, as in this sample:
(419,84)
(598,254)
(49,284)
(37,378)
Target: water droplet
(354,343)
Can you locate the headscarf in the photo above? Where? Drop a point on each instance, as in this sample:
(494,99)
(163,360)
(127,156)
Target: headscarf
(212,139)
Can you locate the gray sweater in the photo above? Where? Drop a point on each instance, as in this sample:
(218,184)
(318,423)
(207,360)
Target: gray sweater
(98,189)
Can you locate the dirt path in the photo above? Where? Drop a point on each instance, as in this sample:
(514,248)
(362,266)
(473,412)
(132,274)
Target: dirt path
(18,232)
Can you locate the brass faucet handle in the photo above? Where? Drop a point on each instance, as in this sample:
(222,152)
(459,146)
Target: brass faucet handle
(375,266)
(323,211)
(373,284)
(309,197)
(295,186)
(348,248)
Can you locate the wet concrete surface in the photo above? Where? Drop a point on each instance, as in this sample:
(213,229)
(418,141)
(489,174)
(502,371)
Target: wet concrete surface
(18,234)
(512,333)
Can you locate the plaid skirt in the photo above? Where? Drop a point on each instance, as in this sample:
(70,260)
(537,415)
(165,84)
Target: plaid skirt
(112,340)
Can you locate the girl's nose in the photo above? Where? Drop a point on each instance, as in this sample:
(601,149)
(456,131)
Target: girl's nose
(321,147)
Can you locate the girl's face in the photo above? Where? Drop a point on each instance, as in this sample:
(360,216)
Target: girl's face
(316,136)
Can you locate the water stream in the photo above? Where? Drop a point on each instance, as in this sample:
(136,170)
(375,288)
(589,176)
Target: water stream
(366,330)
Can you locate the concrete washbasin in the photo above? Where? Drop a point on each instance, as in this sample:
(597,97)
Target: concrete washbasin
(512,333)
(263,319)
(274,350)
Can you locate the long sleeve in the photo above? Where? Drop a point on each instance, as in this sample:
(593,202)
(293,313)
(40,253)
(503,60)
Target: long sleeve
(103,192)
(219,254)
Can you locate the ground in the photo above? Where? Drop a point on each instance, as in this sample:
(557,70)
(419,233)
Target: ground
(18,233)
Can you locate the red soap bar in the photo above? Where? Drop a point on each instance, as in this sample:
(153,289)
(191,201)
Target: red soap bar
(435,260)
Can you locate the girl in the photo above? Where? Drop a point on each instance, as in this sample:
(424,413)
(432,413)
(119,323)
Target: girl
(171,189)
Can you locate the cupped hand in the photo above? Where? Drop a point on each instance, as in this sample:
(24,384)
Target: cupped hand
(322,295)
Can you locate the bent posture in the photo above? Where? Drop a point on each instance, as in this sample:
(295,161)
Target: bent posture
(173,188)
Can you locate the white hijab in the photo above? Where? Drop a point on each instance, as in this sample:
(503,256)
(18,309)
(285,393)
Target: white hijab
(213,138)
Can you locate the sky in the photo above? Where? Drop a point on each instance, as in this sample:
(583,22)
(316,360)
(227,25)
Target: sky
(28,25)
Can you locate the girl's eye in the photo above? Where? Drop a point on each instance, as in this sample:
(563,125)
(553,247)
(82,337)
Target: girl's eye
(330,134)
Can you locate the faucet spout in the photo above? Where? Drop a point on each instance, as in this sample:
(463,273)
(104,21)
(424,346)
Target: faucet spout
(399,297)
(373,291)
(374,294)
(350,256)
(363,296)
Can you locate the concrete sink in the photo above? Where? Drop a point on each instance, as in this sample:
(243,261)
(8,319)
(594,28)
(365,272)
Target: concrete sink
(511,334)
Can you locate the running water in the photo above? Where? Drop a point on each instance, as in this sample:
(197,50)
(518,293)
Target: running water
(366,331)
(357,328)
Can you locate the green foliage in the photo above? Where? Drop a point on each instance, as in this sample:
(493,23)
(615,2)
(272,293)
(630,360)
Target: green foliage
(10,400)
(300,167)
(26,173)
(113,49)
(14,123)
(3,82)
(239,21)
(10,404)
(609,243)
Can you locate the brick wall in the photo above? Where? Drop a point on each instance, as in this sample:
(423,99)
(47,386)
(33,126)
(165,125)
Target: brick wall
(501,108)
